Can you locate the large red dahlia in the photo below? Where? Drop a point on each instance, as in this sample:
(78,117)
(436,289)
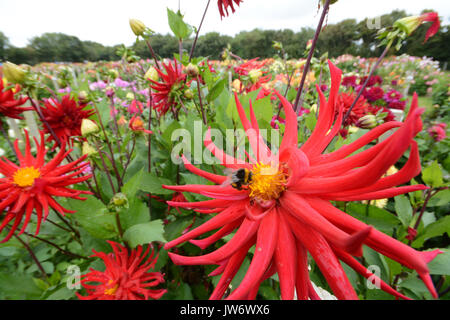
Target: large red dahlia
(65,118)
(165,96)
(125,277)
(285,210)
(10,107)
(225,4)
(33,184)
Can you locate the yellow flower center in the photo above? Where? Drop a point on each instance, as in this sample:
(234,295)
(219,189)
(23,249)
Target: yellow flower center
(268,182)
(24,177)
(111,291)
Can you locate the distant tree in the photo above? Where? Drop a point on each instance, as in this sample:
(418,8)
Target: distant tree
(4,45)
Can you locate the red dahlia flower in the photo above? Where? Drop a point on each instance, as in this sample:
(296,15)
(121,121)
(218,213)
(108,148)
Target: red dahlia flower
(224,4)
(166,91)
(373,94)
(32,184)
(9,107)
(65,118)
(285,209)
(344,101)
(125,277)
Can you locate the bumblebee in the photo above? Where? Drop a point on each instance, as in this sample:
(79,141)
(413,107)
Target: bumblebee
(239,178)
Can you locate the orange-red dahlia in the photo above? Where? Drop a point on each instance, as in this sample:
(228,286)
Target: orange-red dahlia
(166,91)
(225,4)
(285,210)
(33,184)
(65,118)
(125,277)
(345,100)
(10,107)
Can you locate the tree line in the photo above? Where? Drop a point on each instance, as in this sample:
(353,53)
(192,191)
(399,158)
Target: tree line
(347,36)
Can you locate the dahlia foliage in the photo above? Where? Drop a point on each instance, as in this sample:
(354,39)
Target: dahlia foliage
(285,211)
(126,277)
(32,185)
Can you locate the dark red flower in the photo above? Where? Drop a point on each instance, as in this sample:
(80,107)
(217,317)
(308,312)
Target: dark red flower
(372,81)
(33,184)
(65,118)
(165,95)
(349,81)
(225,4)
(373,94)
(397,104)
(253,64)
(125,277)
(285,209)
(10,107)
(345,100)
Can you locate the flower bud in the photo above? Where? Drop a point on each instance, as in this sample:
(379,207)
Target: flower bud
(83,97)
(299,64)
(152,74)
(88,149)
(368,121)
(192,70)
(13,73)
(309,44)
(277,45)
(138,27)
(119,199)
(88,127)
(408,24)
(188,94)
(255,75)
(236,85)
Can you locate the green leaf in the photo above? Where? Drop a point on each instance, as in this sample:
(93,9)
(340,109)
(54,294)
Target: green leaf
(381,219)
(175,228)
(432,175)
(441,264)
(434,229)
(145,233)
(132,185)
(93,216)
(216,89)
(151,183)
(440,199)
(136,214)
(181,29)
(19,286)
(403,209)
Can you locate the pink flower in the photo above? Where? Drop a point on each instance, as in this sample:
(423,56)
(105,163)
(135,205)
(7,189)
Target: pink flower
(437,132)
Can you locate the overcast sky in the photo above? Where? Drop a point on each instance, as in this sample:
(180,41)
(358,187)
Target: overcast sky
(106,21)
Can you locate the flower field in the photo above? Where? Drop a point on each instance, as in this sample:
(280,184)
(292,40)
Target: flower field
(192,179)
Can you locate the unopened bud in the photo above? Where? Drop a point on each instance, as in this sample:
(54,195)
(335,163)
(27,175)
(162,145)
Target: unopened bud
(408,24)
(192,70)
(83,97)
(309,44)
(13,73)
(255,75)
(119,199)
(88,127)
(138,27)
(88,149)
(368,121)
(152,74)
(277,45)
(188,94)
(299,64)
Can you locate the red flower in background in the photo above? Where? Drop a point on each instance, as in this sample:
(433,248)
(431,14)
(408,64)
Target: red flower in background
(253,64)
(285,209)
(165,96)
(373,94)
(375,109)
(33,184)
(225,4)
(10,107)
(349,81)
(437,132)
(344,101)
(126,276)
(65,118)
